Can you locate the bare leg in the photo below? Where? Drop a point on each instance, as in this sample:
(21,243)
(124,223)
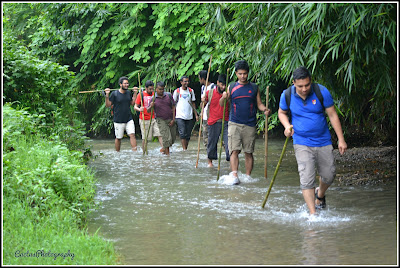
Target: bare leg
(187,144)
(210,164)
(321,191)
(166,151)
(160,140)
(249,162)
(234,162)
(309,197)
(132,139)
(117,145)
(184,144)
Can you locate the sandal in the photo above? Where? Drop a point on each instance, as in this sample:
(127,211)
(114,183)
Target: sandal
(322,202)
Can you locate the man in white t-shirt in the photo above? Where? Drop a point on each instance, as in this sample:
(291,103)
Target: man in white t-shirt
(184,98)
(204,88)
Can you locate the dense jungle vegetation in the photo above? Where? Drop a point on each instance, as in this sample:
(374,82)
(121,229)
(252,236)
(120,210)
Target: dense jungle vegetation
(349,48)
(51,51)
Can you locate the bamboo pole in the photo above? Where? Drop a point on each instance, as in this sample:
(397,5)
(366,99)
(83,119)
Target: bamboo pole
(266,134)
(91,91)
(276,170)
(201,115)
(223,123)
(151,116)
(141,105)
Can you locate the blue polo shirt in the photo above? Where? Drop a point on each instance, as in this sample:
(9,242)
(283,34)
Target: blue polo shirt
(308,117)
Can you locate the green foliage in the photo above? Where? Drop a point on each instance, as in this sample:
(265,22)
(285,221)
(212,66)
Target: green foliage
(48,193)
(32,81)
(43,88)
(38,170)
(24,232)
(354,56)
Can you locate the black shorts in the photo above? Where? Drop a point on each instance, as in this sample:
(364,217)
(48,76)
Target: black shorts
(185,128)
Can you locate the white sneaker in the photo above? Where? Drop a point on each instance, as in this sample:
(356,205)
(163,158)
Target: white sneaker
(233,180)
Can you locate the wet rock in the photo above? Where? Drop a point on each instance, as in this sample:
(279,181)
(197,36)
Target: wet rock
(366,166)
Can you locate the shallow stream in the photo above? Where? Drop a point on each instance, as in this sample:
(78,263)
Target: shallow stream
(161,210)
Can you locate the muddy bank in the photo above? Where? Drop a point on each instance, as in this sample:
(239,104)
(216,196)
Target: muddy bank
(366,165)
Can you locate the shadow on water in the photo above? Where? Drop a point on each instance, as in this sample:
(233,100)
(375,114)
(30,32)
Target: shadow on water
(161,210)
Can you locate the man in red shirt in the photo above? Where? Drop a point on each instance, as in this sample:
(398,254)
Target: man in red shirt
(144,116)
(215,114)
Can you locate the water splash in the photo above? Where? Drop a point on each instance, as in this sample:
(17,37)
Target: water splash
(228,180)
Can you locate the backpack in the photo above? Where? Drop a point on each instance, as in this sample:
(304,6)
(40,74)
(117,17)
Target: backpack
(315,87)
(165,93)
(210,94)
(179,94)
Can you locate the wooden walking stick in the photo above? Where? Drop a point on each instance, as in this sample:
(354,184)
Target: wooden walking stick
(276,170)
(151,116)
(100,90)
(266,135)
(223,123)
(201,115)
(141,103)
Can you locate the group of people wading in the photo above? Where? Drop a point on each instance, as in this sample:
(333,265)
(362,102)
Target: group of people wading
(177,112)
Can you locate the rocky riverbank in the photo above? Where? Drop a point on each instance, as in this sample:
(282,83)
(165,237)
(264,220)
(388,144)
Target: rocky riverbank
(366,165)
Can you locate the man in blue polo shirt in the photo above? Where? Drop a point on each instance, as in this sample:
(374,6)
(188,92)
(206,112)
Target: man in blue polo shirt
(311,137)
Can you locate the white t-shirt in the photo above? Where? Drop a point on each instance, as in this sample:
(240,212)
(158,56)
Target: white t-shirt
(184,108)
(203,92)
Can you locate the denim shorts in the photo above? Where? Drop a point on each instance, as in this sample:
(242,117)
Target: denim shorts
(184,128)
(309,158)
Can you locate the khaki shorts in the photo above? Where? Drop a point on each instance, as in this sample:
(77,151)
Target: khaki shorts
(154,131)
(119,129)
(241,137)
(168,133)
(310,157)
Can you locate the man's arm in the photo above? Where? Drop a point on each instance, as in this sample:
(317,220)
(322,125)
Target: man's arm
(173,116)
(108,102)
(137,107)
(204,98)
(135,91)
(261,106)
(225,95)
(334,118)
(194,111)
(284,118)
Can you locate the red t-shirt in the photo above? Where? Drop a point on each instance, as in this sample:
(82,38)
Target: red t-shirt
(146,102)
(215,110)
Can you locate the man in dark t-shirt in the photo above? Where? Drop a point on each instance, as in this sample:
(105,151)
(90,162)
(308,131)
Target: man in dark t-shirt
(122,100)
(244,101)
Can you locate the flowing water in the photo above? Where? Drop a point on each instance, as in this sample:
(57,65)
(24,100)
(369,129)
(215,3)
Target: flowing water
(161,210)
